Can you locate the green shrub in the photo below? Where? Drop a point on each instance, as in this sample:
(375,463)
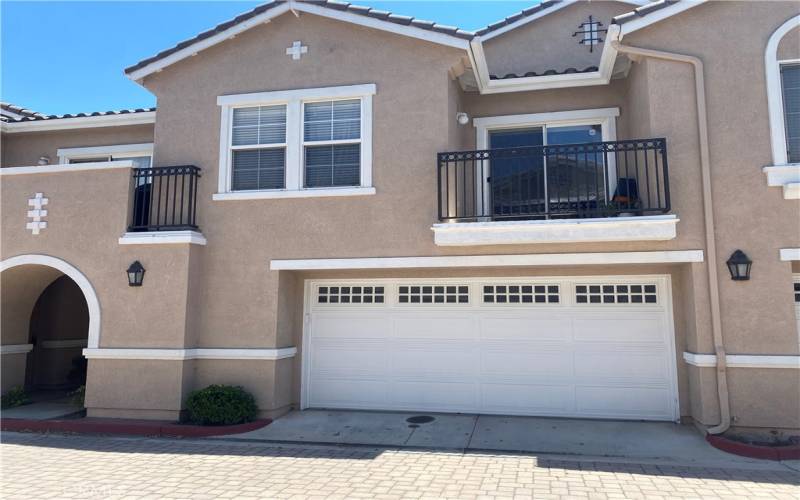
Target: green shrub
(221,405)
(78,396)
(15,396)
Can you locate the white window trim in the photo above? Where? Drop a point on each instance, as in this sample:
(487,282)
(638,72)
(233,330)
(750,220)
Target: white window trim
(777,121)
(606,118)
(116,150)
(294,99)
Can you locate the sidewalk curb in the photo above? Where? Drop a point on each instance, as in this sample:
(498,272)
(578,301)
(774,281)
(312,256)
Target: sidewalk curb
(127,427)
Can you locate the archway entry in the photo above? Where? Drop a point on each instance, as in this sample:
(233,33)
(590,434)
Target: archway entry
(49,313)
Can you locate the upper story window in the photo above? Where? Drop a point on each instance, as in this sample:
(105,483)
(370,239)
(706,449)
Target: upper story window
(296,143)
(790,86)
(782,63)
(140,154)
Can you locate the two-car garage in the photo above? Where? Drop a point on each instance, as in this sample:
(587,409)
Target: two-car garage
(599,347)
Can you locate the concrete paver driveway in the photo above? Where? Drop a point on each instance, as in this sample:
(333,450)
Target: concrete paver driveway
(497,433)
(49,466)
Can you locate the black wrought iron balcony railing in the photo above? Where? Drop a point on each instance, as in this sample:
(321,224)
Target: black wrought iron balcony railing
(563,181)
(164,198)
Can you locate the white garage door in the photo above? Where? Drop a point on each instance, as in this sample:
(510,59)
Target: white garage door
(584,347)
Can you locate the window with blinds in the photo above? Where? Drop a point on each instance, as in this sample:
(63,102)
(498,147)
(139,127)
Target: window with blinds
(790,82)
(258,144)
(332,143)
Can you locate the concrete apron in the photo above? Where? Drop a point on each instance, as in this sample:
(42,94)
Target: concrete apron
(561,436)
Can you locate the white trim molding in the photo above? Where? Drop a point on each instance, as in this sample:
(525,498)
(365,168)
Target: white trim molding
(293,145)
(163,238)
(63,168)
(63,343)
(114,150)
(304,193)
(743,361)
(541,259)
(187,354)
(790,254)
(649,228)
(16,348)
(777,121)
(786,176)
(78,277)
(605,117)
(116,120)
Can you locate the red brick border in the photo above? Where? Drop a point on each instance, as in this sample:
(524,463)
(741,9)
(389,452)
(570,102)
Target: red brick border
(127,427)
(791,452)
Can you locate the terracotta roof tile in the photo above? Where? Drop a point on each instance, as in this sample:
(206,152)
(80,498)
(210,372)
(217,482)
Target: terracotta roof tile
(39,116)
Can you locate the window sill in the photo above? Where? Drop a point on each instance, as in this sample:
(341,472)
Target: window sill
(649,228)
(787,176)
(163,238)
(305,193)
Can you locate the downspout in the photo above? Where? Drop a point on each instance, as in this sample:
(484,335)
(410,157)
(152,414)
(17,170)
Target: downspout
(705,169)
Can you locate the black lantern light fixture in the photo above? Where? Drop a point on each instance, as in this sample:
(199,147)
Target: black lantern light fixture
(739,266)
(135,274)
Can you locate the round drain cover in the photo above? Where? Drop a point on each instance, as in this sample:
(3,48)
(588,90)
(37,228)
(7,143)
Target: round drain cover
(420,419)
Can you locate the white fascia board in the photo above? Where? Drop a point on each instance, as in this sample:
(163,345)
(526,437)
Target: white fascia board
(145,118)
(340,92)
(652,228)
(543,259)
(163,238)
(193,49)
(743,361)
(657,16)
(790,254)
(544,118)
(187,354)
(16,348)
(66,168)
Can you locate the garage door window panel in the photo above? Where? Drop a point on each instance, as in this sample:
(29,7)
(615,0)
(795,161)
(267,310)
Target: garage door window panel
(521,294)
(351,294)
(433,294)
(604,294)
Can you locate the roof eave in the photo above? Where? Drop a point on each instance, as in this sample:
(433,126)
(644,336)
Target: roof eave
(137,72)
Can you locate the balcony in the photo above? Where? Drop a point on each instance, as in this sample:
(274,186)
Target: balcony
(164,206)
(164,199)
(603,191)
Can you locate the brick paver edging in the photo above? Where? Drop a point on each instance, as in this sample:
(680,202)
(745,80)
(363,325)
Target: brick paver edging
(127,427)
(791,452)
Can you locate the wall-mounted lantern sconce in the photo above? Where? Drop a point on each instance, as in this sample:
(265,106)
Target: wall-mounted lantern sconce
(739,266)
(462,118)
(135,274)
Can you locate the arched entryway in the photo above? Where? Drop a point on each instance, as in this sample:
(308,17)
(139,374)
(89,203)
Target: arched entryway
(49,313)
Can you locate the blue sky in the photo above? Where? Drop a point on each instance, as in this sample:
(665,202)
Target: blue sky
(68,57)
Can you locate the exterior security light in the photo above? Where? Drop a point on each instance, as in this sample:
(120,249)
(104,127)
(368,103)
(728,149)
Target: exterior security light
(135,274)
(739,266)
(462,118)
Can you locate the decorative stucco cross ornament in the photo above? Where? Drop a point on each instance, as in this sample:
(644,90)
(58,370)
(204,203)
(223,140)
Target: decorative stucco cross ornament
(297,50)
(37,202)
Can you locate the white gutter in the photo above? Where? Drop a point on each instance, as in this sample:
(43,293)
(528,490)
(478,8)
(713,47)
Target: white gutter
(708,213)
(81,122)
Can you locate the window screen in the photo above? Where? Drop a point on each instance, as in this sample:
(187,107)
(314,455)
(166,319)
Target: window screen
(258,140)
(332,143)
(790,80)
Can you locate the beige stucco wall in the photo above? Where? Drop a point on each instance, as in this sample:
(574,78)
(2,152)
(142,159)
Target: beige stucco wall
(789,46)
(547,43)
(20,149)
